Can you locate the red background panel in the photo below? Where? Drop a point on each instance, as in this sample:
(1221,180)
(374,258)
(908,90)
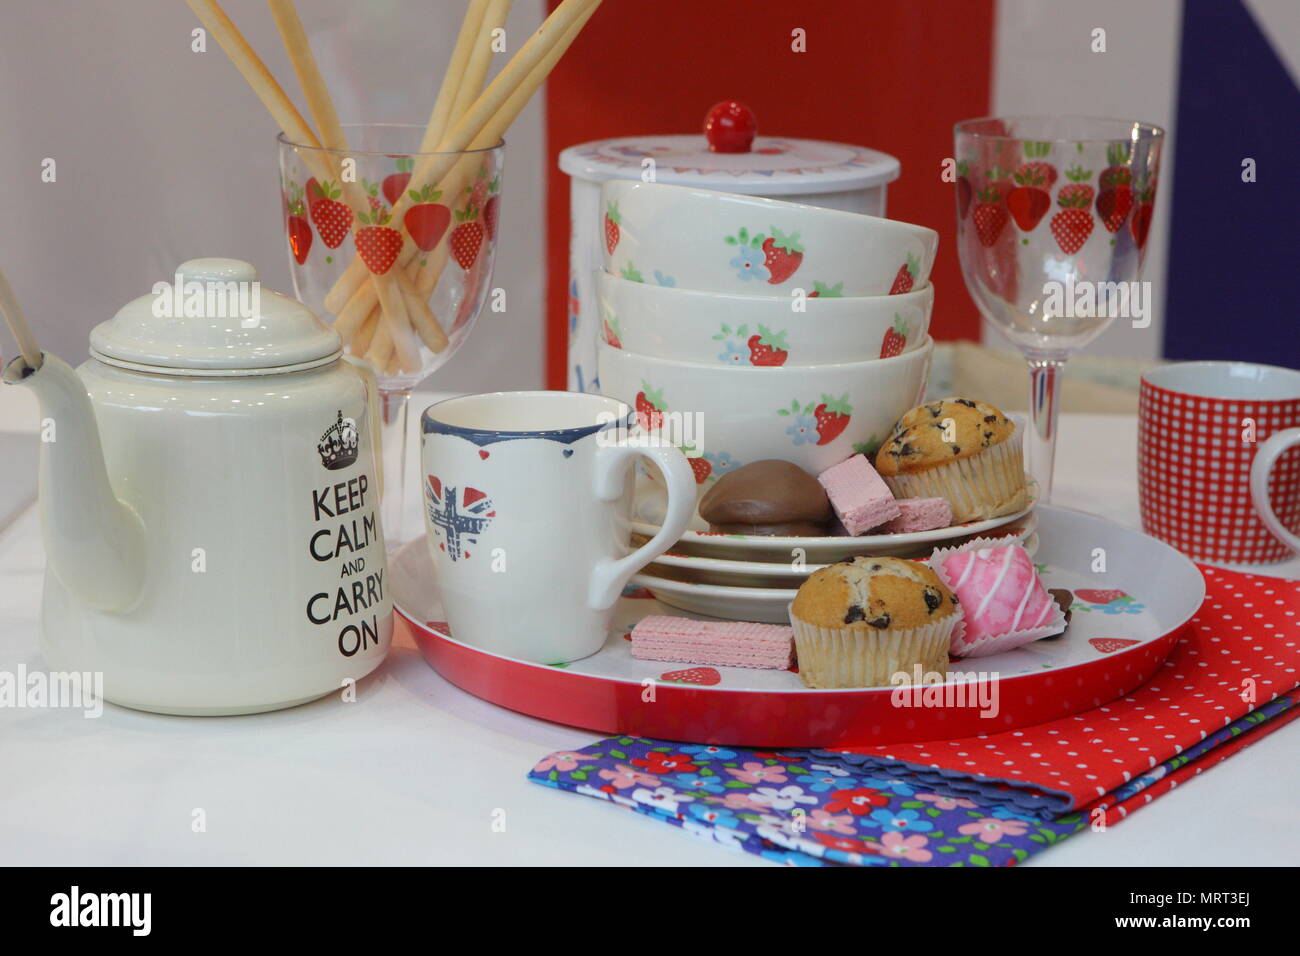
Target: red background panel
(893,75)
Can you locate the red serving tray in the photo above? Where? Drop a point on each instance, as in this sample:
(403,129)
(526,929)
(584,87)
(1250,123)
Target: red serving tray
(1125,620)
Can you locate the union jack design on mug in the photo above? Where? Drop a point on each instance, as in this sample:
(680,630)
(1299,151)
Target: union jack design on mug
(458,515)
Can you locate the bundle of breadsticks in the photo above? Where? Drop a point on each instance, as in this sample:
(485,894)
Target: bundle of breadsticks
(386,315)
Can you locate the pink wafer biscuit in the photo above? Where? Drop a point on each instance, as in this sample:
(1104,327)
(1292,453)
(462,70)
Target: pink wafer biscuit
(859,496)
(661,637)
(918,514)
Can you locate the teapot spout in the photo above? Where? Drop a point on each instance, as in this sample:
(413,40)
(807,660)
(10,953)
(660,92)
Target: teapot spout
(94,542)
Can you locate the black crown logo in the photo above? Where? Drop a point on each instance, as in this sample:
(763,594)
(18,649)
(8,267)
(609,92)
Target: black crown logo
(338,446)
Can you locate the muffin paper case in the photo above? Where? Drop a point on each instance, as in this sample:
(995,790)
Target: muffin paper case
(964,644)
(870,657)
(984,485)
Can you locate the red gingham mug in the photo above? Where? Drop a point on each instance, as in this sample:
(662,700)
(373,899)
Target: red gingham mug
(1207,433)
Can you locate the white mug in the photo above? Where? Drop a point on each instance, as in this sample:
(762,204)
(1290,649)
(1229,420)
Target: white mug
(528,499)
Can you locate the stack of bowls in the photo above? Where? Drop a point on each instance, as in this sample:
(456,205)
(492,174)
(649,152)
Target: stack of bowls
(781,330)
(761,329)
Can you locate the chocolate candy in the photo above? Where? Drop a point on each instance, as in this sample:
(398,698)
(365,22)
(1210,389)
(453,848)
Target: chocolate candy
(1063,598)
(767,497)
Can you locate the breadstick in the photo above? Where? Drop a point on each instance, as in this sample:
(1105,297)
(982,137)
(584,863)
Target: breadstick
(486,120)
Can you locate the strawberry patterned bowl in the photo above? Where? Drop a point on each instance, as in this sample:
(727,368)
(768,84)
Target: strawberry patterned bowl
(725,242)
(754,330)
(723,416)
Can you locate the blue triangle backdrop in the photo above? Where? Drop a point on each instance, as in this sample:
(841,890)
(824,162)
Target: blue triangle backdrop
(1234,251)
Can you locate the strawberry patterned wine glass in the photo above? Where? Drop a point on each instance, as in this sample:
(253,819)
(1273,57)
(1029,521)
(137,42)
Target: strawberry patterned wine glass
(1052,221)
(394,247)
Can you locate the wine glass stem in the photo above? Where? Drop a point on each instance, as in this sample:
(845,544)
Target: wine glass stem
(1044,401)
(393,408)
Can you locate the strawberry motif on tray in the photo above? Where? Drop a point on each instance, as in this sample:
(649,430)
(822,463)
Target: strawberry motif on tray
(704,676)
(1108,601)
(1109,645)
(820,423)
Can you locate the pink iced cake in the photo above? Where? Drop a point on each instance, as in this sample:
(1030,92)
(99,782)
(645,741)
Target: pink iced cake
(1004,603)
(918,514)
(859,496)
(661,637)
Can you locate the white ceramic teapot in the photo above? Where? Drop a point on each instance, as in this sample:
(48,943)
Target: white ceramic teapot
(209,496)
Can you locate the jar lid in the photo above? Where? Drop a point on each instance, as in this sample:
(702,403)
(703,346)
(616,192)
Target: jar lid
(773,166)
(213,315)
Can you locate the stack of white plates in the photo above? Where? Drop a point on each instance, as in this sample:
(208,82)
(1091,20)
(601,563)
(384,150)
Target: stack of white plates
(754,577)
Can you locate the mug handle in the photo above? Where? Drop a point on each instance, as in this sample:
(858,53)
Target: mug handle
(610,575)
(1266,457)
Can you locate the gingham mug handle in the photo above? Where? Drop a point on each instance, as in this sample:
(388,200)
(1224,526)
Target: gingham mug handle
(1266,457)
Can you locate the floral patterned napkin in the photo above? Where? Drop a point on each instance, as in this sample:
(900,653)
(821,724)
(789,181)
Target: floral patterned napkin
(891,806)
(793,807)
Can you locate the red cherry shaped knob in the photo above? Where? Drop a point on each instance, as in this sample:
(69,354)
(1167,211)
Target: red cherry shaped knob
(730,127)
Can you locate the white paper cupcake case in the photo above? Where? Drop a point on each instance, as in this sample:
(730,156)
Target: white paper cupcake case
(985,485)
(868,657)
(998,642)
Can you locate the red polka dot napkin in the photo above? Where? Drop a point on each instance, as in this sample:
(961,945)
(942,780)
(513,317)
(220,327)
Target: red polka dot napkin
(1241,652)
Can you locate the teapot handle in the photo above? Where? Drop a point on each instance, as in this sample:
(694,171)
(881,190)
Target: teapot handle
(372,413)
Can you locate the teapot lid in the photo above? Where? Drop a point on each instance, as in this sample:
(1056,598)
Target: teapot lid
(213,317)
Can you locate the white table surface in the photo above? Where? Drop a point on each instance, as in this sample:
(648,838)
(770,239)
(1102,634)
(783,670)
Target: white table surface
(417,771)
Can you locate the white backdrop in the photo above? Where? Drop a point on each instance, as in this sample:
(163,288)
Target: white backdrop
(164,154)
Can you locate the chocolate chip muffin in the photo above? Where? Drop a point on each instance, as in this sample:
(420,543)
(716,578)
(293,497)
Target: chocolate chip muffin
(965,451)
(868,622)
